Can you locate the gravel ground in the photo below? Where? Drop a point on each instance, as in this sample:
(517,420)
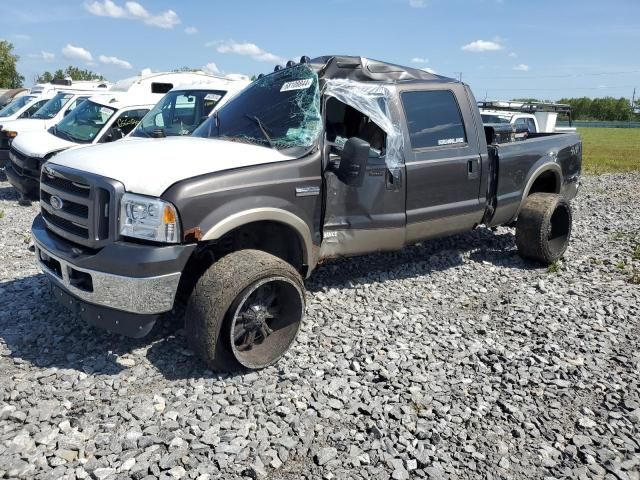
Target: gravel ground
(453,359)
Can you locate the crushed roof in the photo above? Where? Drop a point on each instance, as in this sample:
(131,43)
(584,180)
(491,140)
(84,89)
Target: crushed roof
(368,70)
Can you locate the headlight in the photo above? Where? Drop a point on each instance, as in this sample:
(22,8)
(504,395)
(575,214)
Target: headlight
(11,135)
(148,218)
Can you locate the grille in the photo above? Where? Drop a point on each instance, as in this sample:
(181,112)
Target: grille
(4,140)
(24,164)
(80,211)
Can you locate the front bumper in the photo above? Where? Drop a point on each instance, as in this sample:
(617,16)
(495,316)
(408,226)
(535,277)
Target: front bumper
(24,184)
(125,278)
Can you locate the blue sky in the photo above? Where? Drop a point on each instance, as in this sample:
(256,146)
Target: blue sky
(503,48)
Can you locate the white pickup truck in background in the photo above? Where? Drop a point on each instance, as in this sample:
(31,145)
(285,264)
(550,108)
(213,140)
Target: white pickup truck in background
(537,117)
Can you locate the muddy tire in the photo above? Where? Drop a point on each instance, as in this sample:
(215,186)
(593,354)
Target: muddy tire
(245,311)
(544,227)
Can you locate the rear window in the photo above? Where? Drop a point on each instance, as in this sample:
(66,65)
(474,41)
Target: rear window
(433,119)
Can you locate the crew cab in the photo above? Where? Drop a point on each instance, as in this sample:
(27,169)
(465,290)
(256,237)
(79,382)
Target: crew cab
(325,158)
(114,115)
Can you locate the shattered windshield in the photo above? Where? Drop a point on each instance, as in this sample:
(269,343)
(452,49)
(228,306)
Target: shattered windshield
(83,123)
(53,106)
(280,110)
(179,112)
(14,106)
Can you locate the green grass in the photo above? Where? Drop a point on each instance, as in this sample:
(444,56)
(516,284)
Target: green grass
(609,150)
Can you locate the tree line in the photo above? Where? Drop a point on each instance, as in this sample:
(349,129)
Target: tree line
(608,109)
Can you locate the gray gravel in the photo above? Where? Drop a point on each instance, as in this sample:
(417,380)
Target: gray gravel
(453,359)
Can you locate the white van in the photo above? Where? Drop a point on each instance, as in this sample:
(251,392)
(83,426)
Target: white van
(184,108)
(25,107)
(113,115)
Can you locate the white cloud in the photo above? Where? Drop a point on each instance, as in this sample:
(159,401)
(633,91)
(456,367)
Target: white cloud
(133,11)
(513,55)
(21,36)
(522,68)
(115,61)
(419,60)
(211,68)
(237,76)
(44,56)
(482,46)
(191,30)
(417,3)
(77,53)
(246,49)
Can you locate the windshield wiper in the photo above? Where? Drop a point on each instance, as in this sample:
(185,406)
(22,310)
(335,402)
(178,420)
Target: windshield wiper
(262,129)
(65,136)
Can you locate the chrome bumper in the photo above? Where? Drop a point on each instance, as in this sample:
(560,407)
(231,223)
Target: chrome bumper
(147,295)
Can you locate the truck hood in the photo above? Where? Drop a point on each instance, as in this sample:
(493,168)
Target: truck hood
(150,166)
(39,143)
(25,125)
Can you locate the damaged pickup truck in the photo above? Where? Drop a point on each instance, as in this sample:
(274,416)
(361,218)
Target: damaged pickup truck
(329,157)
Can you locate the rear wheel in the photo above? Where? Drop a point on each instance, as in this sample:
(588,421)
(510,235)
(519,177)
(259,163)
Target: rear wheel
(245,311)
(544,227)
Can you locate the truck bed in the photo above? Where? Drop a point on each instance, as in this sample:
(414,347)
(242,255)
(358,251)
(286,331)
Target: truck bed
(515,165)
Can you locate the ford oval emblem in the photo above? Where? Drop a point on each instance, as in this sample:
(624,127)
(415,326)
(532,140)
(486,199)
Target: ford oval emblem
(56,202)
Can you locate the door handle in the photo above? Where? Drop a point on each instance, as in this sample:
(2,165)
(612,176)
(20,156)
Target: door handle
(473,168)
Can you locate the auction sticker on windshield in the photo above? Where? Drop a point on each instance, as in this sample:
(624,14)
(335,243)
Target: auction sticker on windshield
(297,85)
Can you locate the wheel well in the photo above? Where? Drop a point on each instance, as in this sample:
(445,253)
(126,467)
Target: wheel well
(272,237)
(546,182)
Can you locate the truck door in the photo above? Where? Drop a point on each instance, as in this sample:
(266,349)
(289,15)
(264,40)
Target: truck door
(443,164)
(370,217)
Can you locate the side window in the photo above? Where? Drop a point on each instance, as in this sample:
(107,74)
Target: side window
(127,121)
(433,119)
(521,122)
(532,125)
(33,109)
(344,122)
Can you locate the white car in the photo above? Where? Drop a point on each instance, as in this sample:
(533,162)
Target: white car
(115,114)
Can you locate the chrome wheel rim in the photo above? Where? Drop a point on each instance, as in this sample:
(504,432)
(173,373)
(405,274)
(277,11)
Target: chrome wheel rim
(265,321)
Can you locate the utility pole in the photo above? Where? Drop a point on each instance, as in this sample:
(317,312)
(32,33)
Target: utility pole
(459,76)
(633,106)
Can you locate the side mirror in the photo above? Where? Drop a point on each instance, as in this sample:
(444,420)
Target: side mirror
(353,162)
(114,134)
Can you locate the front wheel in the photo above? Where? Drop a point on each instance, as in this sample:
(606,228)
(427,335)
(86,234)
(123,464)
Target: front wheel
(245,311)
(544,226)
